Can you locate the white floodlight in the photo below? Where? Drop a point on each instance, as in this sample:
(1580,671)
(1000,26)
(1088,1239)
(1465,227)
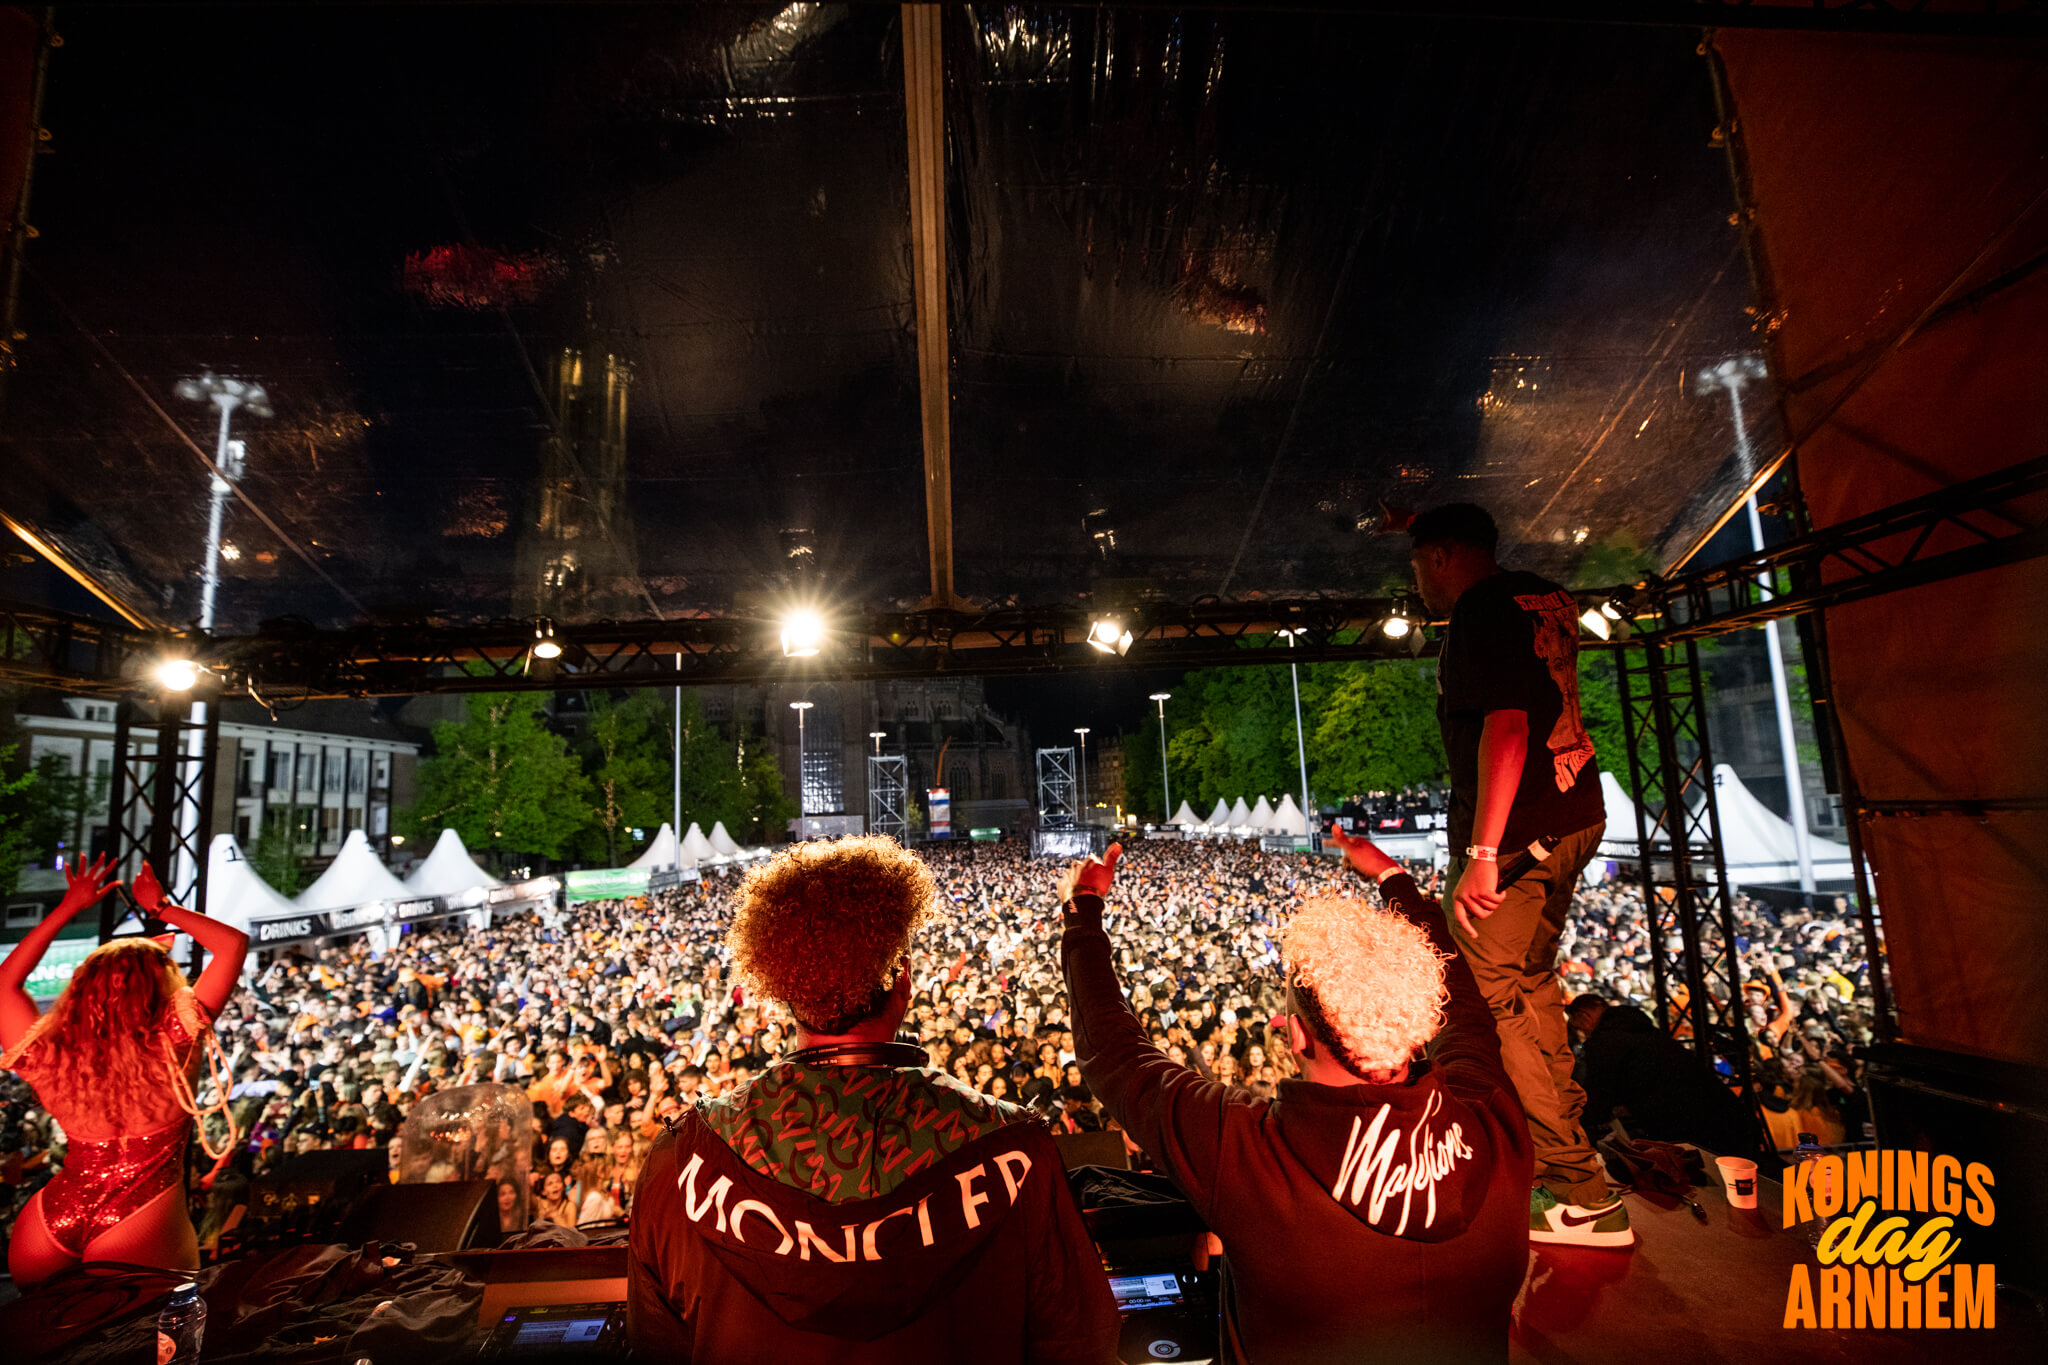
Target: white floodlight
(177,675)
(803,634)
(545,645)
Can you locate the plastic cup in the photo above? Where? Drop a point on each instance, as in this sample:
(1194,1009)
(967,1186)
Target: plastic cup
(1738,1176)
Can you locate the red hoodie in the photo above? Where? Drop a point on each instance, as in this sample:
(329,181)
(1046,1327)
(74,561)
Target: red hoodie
(1362,1222)
(980,1255)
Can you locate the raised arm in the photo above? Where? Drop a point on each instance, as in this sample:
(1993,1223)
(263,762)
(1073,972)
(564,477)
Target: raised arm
(1169,1110)
(17,1008)
(1469,1041)
(224,944)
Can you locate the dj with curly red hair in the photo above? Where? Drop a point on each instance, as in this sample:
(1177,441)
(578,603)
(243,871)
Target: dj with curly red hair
(853,1202)
(111,1061)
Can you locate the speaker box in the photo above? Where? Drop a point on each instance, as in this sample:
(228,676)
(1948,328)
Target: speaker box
(453,1216)
(317,1181)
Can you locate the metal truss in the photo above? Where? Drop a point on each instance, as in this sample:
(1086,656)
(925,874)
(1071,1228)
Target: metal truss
(40,648)
(147,794)
(888,796)
(1965,18)
(1686,898)
(289,663)
(1998,518)
(1058,792)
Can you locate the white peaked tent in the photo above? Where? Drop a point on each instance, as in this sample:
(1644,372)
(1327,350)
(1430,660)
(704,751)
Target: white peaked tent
(721,842)
(1184,817)
(1620,835)
(355,877)
(1240,814)
(663,851)
(1262,816)
(448,870)
(1288,819)
(1758,847)
(234,893)
(1219,817)
(696,847)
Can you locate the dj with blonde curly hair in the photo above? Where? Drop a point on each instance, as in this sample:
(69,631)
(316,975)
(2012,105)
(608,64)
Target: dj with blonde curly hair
(853,1202)
(1373,1209)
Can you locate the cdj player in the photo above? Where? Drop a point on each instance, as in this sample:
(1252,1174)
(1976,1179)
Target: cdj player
(1168,1315)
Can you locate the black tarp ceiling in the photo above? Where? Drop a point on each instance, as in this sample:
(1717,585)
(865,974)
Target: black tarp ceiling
(1219,282)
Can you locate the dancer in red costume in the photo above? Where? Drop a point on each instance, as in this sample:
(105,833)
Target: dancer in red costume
(111,1061)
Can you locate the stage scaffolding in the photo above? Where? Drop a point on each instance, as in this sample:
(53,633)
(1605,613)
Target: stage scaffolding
(145,795)
(889,796)
(1059,800)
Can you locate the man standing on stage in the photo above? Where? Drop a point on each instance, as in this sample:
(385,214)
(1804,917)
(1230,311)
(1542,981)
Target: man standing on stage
(1523,789)
(853,1203)
(1373,1209)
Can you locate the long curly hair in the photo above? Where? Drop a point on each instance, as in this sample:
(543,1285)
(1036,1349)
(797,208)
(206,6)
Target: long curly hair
(821,926)
(1372,977)
(100,1051)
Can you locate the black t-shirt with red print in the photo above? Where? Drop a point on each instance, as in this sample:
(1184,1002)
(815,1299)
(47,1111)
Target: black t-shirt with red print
(1513,645)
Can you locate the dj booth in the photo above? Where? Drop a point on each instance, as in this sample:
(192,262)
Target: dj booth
(403,1273)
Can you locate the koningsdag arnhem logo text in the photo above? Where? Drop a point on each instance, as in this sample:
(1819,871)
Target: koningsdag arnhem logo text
(1888,1254)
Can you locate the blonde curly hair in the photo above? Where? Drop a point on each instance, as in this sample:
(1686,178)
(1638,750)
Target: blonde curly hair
(1373,978)
(822,926)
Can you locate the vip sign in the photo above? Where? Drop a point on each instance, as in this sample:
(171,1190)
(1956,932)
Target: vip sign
(1888,1254)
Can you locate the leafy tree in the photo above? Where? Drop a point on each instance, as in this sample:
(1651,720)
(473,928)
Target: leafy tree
(627,755)
(1377,730)
(274,856)
(62,802)
(765,807)
(1600,710)
(501,780)
(17,817)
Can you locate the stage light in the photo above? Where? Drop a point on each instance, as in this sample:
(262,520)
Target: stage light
(177,675)
(1596,620)
(802,635)
(1399,625)
(1107,634)
(545,646)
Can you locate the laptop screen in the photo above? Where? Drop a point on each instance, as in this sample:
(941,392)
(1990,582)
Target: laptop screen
(1133,1292)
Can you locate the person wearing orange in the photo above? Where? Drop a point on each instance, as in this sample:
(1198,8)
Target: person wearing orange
(111,1061)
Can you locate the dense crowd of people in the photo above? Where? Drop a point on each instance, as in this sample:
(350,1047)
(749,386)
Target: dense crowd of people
(615,1015)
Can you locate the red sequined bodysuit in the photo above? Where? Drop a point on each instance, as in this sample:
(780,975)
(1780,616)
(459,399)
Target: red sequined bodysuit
(103,1183)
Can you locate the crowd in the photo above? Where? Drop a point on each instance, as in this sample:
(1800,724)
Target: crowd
(615,1015)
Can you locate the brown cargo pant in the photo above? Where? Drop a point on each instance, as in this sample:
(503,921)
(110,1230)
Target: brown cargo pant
(1514,960)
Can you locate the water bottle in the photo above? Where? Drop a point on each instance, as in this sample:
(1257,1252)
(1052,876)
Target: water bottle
(181,1327)
(1808,1150)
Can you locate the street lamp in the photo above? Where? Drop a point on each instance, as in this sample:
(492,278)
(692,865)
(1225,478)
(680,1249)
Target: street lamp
(1082,731)
(1165,785)
(1732,374)
(226,395)
(878,736)
(803,807)
(1308,819)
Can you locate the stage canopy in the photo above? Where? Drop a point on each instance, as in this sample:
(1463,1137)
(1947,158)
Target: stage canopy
(608,311)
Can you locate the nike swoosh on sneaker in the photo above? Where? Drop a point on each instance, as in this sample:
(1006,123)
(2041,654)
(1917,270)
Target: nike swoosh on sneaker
(1593,1217)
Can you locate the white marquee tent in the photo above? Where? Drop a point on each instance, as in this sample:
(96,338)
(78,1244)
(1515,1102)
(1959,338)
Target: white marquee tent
(1185,817)
(1288,819)
(234,893)
(661,851)
(1619,840)
(696,847)
(355,877)
(449,871)
(1262,816)
(1758,846)
(1240,814)
(722,843)
(1219,817)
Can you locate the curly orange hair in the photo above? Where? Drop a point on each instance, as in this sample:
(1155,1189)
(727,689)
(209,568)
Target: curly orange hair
(1376,981)
(100,1050)
(822,926)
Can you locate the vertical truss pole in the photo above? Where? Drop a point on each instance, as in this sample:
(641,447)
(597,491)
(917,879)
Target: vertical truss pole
(1636,725)
(888,793)
(1821,681)
(121,788)
(924,108)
